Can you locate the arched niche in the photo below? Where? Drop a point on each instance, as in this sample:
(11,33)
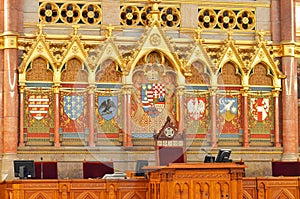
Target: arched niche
(39,70)
(229,75)
(108,72)
(73,71)
(199,74)
(153,73)
(260,75)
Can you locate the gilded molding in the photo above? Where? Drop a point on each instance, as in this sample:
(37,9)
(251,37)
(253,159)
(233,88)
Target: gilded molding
(1,42)
(288,50)
(10,41)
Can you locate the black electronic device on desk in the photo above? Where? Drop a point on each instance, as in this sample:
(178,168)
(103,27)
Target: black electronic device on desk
(24,169)
(208,157)
(223,155)
(139,167)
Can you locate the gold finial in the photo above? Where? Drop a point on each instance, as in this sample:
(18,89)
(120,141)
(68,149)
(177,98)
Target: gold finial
(261,35)
(75,29)
(40,27)
(198,33)
(109,30)
(230,33)
(154,11)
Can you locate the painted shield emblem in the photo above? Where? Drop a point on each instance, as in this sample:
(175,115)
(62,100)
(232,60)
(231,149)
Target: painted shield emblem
(108,106)
(153,98)
(228,108)
(38,106)
(196,108)
(259,108)
(73,106)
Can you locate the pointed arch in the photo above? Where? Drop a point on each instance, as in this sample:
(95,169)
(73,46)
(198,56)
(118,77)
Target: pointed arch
(283,193)
(75,50)
(86,195)
(263,56)
(108,51)
(133,195)
(230,54)
(154,39)
(199,54)
(38,49)
(40,195)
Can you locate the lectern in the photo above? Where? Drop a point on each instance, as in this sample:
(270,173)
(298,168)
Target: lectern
(169,144)
(196,180)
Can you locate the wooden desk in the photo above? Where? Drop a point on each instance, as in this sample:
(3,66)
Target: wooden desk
(75,188)
(191,181)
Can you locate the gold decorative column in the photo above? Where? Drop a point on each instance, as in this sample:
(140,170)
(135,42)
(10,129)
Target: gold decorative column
(21,136)
(91,110)
(56,90)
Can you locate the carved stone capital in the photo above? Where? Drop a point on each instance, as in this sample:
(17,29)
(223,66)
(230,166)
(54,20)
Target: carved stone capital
(56,88)
(127,89)
(91,89)
(288,49)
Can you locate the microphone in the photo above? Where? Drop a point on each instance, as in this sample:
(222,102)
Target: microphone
(208,157)
(203,149)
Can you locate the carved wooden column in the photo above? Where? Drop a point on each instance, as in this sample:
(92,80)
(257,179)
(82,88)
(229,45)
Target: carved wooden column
(21,136)
(276,119)
(289,87)
(91,113)
(245,118)
(213,122)
(127,137)
(56,115)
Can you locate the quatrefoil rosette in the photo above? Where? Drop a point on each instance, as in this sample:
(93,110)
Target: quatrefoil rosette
(207,19)
(70,13)
(170,17)
(246,20)
(130,15)
(226,19)
(49,12)
(91,14)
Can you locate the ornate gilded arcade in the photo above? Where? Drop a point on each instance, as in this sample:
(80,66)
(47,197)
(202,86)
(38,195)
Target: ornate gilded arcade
(82,89)
(102,75)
